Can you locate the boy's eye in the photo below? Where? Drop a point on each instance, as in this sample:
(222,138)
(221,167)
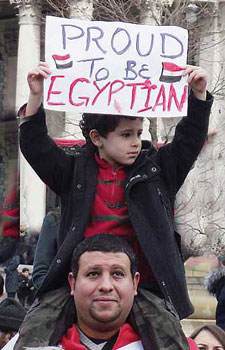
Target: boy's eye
(139,133)
(127,134)
(202,347)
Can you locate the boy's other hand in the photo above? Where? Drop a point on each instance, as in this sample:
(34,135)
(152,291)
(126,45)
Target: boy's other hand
(197,80)
(36,76)
(35,81)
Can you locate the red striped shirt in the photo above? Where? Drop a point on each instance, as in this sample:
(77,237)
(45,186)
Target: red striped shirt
(110,214)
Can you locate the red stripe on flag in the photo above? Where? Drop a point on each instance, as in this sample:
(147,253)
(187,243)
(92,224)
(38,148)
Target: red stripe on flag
(61,58)
(171,67)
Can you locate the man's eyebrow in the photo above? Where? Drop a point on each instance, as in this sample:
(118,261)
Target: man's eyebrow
(117,266)
(97,266)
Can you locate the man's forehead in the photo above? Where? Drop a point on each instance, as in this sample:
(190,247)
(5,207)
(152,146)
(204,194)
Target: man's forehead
(95,258)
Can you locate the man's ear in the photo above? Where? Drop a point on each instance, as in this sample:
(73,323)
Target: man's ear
(95,137)
(71,281)
(136,281)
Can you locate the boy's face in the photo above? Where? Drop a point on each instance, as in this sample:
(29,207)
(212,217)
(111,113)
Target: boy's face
(123,145)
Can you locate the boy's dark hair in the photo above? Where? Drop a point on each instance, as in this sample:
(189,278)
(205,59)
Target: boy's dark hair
(103,123)
(1,285)
(105,243)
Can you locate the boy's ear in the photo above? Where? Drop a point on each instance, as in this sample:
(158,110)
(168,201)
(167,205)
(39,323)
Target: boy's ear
(95,138)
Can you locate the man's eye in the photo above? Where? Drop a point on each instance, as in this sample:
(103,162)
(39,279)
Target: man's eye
(92,274)
(118,274)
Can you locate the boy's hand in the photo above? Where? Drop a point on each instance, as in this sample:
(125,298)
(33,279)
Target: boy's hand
(197,80)
(35,80)
(36,76)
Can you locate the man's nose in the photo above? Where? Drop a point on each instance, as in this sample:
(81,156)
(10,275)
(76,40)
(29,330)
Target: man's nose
(106,284)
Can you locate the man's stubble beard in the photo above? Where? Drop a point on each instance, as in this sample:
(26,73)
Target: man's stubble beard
(97,317)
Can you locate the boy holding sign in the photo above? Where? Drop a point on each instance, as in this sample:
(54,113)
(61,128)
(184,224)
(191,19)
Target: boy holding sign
(120,185)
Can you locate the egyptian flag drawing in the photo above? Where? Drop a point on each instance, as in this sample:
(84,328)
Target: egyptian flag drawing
(171,73)
(62,62)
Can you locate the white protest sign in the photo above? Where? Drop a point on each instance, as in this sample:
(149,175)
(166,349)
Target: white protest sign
(115,68)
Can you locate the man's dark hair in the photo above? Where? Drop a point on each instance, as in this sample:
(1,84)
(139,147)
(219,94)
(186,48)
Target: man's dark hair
(1,285)
(103,123)
(105,243)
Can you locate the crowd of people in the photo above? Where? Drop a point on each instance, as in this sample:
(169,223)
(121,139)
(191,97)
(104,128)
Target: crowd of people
(12,314)
(19,284)
(117,203)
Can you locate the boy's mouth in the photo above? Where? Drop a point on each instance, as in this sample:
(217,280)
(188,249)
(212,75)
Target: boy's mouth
(133,154)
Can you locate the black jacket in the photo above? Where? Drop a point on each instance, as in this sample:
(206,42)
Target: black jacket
(215,283)
(152,183)
(11,280)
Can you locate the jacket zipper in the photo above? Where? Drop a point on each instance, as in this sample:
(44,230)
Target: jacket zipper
(166,291)
(162,201)
(171,310)
(174,312)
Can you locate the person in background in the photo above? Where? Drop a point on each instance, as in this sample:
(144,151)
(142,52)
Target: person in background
(24,285)
(209,337)
(11,317)
(11,280)
(1,287)
(46,246)
(215,283)
(9,219)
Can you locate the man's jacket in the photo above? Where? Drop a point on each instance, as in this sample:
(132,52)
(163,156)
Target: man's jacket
(151,185)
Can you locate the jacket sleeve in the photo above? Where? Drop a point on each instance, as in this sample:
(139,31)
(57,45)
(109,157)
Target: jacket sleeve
(46,249)
(177,158)
(220,314)
(13,264)
(50,162)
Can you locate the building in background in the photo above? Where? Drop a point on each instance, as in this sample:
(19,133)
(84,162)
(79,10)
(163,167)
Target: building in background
(200,209)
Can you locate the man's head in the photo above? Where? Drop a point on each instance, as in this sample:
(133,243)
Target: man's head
(117,138)
(12,314)
(103,282)
(25,272)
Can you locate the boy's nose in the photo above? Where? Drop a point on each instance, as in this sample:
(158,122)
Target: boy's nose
(136,142)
